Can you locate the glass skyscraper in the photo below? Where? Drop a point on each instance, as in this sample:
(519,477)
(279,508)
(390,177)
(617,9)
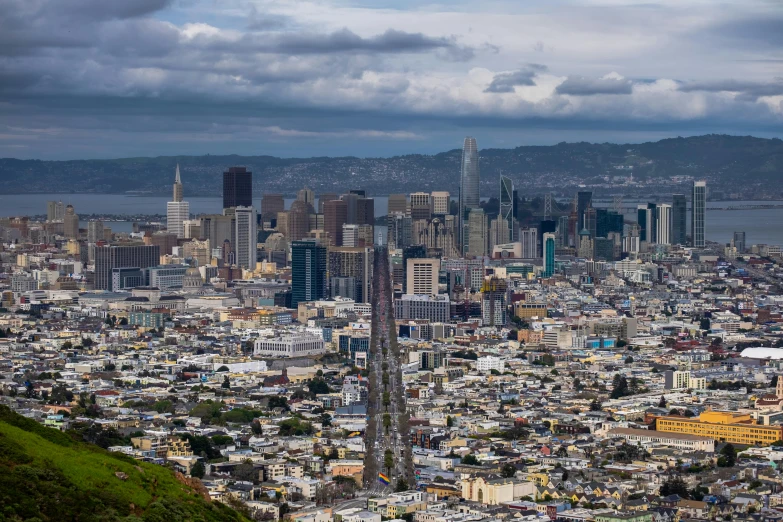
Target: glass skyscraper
(507,207)
(308,271)
(469,185)
(679,219)
(698,213)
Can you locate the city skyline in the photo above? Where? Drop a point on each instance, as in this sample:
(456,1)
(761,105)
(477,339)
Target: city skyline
(364,78)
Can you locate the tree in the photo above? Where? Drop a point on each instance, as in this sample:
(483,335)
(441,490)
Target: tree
(223,368)
(471,460)
(774,382)
(198,470)
(386,422)
(704,324)
(508,471)
(402,485)
(388,459)
(318,386)
(728,456)
(449,421)
(386,400)
(629,360)
(674,485)
(595,405)
(620,387)
(662,402)
(226,383)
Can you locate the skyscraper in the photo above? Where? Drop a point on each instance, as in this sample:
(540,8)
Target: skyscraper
(477,232)
(739,242)
(549,254)
(237,187)
(399,230)
(584,200)
(698,213)
(94,231)
(663,224)
(410,252)
(108,258)
(177,211)
(353,264)
(398,203)
(308,271)
(299,220)
(421,206)
(70,223)
(441,201)
(529,239)
(679,219)
(507,205)
(469,196)
(645,220)
(271,204)
(246,237)
(307,195)
(335,216)
(55,210)
(422,276)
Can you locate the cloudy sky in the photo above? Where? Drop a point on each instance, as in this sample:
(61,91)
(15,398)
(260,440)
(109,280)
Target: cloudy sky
(101,79)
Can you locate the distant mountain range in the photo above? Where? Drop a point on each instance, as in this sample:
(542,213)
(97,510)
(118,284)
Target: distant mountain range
(739,167)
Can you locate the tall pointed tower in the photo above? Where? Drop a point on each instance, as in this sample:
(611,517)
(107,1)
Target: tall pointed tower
(779,387)
(177,211)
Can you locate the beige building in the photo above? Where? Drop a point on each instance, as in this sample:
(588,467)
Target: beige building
(423,276)
(496,491)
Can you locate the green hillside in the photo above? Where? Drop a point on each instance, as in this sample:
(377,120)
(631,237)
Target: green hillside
(46,476)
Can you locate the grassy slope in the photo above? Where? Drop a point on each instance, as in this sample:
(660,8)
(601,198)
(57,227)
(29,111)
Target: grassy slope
(45,475)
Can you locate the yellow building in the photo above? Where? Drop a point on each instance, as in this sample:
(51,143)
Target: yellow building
(723,426)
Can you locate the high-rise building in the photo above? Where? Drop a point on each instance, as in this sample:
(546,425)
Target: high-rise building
(55,210)
(663,224)
(584,200)
(323,198)
(398,230)
(644,217)
(507,206)
(546,226)
(237,187)
(590,221)
(529,239)
(562,232)
(422,276)
(739,242)
(469,195)
(307,195)
(410,252)
(603,249)
(111,257)
(353,264)
(421,206)
(550,244)
(477,232)
(398,203)
(70,223)
(441,203)
(335,216)
(365,211)
(679,219)
(177,210)
(308,271)
(299,220)
(493,302)
(271,204)
(246,245)
(95,231)
(218,228)
(698,213)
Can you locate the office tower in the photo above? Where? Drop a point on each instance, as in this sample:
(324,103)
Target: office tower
(469,196)
(306,195)
(398,203)
(365,211)
(698,213)
(237,188)
(562,231)
(631,244)
(441,201)
(546,226)
(350,235)
(70,223)
(166,241)
(507,205)
(335,216)
(177,211)
(645,220)
(55,210)
(529,239)
(607,221)
(218,228)
(477,232)
(663,224)
(498,233)
(739,242)
(422,276)
(299,220)
(271,204)
(679,219)
(246,244)
(359,192)
(308,271)
(354,263)
(108,258)
(398,230)
(421,206)
(550,244)
(95,231)
(590,221)
(493,302)
(584,200)
(603,249)
(323,198)
(410,252)
(443,236)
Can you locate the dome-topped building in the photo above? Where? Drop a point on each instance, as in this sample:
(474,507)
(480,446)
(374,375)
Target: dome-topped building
(192,280)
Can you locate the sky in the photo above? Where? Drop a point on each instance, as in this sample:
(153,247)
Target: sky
(84,79)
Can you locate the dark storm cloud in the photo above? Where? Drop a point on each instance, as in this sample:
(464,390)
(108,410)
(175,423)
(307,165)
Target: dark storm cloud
(581,86)
(748,91)
(755,32)
(505,82)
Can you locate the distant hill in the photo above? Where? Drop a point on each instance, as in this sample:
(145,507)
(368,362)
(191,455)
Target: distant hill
(47,476)
(738,165)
